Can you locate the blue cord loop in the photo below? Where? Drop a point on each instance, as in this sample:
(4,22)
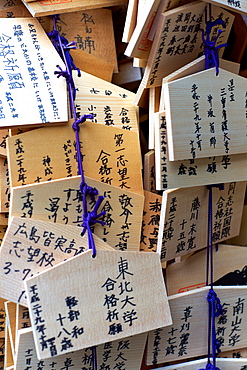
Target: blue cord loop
(210,48)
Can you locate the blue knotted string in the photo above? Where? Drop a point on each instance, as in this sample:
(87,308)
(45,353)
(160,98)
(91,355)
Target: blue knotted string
(210,48)
(63,47)
(215,308)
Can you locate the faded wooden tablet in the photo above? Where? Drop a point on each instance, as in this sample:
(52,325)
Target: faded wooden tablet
(104,298)
(3,136)
(31,246)
(184,218)
(49,153)
(201,115)
(22,318)
(127,353)
(28,63)
(178,40)
(60,201)
(2,318)
(4,185)
(187,336)
(201,171)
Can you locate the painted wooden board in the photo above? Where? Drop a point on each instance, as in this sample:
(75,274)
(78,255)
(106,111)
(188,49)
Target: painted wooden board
(183,219)
(86,29)
(112,287)
(149,171)
(22,318)
(31,73)
(191,273)
(201,115)
(10,309)
(60,201)
(201,171)
(49,153)
(187,336)
(178,40)
(31,246)
(222,363)
(150,222)
(48,7)
(4,185)
(3,136)
(127,353)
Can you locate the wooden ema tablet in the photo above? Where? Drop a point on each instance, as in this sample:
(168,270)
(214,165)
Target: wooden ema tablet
(200,115)
(116,302)
(48,7)
(22,318)
(17,11)
(10,309)
(150,222)
(149,171)
(201,171)
(178,40)
(31,73)
(31,246)
(239,6)
(187,336)
(86,29)
(130,20)
(127,353)
(4,185)
(90,85)
(110,155)
(2,232)
(8,356)
(4,219)
(230,267)
(222,363)
(183,219)
(60,201)
(154,100)
(239,353)
(3,136)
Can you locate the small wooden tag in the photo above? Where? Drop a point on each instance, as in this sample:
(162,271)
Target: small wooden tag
(127,353)
(183,220)
(60,201)
(31,246)
(201,115)
(187,336)
(96,300)
(30,73)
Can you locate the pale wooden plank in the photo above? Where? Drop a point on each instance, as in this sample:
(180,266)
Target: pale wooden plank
(48,7)
(130,20)
(40,87)
(133,313)
(189,329)
(126,352)
(10,309)
(59,201)
(217,131)
(212,170)
(224,363)
(183,219)
(149,171)
(31,246)
(49,153)
(165,59)
(230,262)
(150,222)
